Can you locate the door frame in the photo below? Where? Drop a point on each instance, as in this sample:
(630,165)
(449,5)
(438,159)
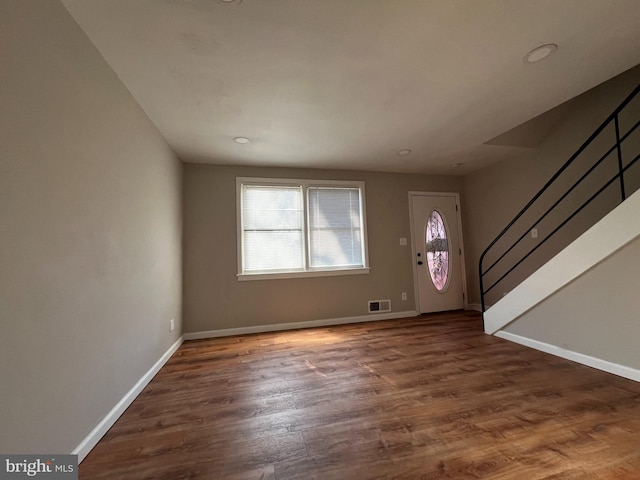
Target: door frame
(463,267)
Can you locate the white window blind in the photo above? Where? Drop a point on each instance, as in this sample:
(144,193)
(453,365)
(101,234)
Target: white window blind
(335,227)
(272,228)
(300,227)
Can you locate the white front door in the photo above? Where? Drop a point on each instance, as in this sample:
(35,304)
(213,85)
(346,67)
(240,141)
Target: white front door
(437,252)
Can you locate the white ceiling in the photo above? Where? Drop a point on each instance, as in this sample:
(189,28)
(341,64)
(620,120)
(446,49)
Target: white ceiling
(348,83)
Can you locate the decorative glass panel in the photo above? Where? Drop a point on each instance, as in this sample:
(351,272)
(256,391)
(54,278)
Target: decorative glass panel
(437,251)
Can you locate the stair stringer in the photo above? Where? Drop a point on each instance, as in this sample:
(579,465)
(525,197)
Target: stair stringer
(618,228)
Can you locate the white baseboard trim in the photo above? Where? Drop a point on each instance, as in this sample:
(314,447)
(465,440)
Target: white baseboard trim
(475,307)
(598,363)
(297,325)
(90,441)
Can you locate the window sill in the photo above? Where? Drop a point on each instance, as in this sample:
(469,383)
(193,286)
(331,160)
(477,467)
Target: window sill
(242,277)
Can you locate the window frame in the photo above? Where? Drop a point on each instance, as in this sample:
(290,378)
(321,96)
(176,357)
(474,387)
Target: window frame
(304,184)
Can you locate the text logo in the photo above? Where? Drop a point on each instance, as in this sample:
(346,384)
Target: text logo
(45,467)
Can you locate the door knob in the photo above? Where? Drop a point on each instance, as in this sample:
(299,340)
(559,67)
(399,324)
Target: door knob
(420,262)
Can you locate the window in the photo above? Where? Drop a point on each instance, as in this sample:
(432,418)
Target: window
(291,228)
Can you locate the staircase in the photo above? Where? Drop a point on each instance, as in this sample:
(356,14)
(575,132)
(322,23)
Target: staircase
(588,214)
(620,228)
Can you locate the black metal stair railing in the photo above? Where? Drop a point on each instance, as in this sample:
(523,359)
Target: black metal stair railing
(501,256)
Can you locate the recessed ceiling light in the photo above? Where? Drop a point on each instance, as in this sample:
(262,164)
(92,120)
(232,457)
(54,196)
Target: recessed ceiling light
(241,140)
(402,153)
(456,165)
(230,1)
(540,53)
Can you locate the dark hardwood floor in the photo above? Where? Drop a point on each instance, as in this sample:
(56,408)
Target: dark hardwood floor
(421,398)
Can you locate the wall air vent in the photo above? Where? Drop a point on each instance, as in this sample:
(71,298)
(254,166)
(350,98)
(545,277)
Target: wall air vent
(378,306)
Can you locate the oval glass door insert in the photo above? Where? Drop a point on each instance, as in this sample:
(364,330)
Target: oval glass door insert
(437,251)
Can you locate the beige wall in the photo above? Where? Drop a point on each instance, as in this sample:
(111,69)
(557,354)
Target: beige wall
(493,196)
(90,233)
(213,297)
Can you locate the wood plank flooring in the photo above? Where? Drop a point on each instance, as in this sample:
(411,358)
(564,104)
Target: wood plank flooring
(430,397)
